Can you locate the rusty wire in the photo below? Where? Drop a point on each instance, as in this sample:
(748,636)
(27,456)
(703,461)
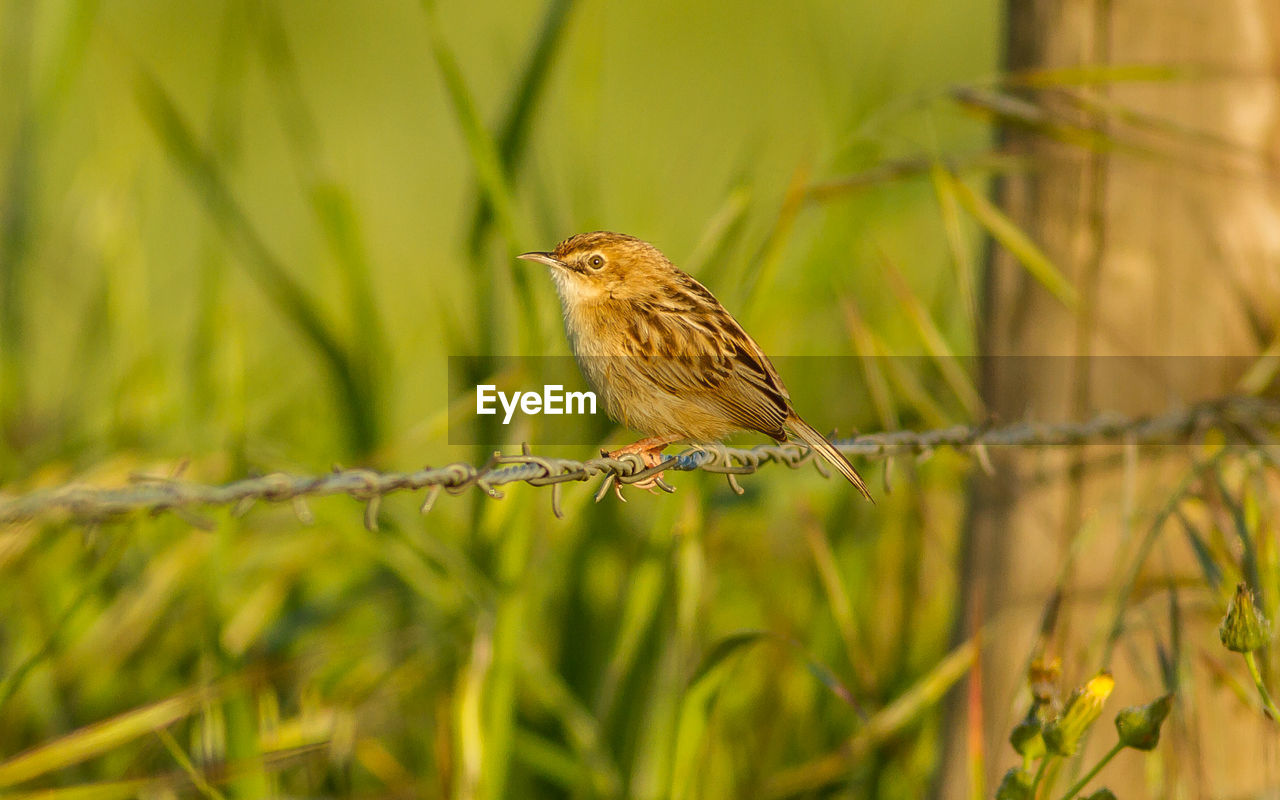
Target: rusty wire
(1252,418)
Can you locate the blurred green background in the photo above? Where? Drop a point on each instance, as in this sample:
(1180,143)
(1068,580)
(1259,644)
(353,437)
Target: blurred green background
(244,236)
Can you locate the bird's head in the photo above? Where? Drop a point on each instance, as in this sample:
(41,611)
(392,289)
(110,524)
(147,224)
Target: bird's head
(602,266)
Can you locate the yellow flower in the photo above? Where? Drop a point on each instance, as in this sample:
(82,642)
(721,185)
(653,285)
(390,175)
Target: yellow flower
(1062,735)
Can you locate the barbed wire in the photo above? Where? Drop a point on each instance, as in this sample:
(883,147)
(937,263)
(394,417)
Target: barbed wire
(1241,416)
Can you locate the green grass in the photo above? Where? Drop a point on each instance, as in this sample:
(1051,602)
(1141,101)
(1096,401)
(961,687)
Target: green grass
(248,236)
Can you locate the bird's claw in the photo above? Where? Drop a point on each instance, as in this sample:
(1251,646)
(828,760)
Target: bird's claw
(650,484)
(650,458)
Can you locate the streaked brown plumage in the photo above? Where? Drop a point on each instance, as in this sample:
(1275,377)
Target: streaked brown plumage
(665,357)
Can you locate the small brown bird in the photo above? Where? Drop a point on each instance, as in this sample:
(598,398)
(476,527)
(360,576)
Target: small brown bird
(667,359)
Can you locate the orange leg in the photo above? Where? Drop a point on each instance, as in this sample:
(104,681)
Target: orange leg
(650,451)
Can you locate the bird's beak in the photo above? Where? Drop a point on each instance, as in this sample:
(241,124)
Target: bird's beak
(544,258)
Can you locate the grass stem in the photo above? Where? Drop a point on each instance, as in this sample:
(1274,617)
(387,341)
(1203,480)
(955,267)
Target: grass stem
(1088,776)
(1267,702)
(1044,766)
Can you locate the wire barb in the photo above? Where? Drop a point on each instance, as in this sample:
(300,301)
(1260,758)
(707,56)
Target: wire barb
(1249,419)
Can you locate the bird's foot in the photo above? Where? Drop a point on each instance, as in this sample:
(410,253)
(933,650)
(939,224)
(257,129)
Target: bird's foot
(650,452)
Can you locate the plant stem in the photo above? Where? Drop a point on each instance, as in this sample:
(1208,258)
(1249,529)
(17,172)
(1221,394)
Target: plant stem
(1080,784)
(1267,702)
(1044,763)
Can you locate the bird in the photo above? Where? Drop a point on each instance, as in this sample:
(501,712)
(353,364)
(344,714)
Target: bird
(666,358)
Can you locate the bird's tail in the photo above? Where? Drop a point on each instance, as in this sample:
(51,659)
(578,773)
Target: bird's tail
(818,442)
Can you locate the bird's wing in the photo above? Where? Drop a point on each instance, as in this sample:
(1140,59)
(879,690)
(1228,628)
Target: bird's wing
(689,345)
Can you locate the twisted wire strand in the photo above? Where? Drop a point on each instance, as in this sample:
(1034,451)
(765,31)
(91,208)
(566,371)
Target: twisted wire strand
(1250,418)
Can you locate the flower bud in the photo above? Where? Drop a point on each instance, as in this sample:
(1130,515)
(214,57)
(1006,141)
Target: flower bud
(1062,734)
(1016,785)
(1244,629)
(1139,726)
(1102,794)
(1026,738)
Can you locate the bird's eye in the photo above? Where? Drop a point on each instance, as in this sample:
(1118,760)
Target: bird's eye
(596,261)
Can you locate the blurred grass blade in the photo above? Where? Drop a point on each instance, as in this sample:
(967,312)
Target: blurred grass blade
(72,41)
(1156,128)
(1023,113)
(29,112)
(188,767)
(216,385)
(1204,557)
(1124,588)
(547,759)
(480,146)
(1262,373)
(935,343)
(698,704)
(828,678)
(908,386)
(905,710)
(1102,74)
(1015,240)
(16,227)
(644,599)
(724,227)
(513,132)
(869,355)
(494,189)
(581,729)
(839,598)
(1101,125)
(168,784)
(289,101)
(240,735)
(762,268)
(1246,695)
(123,625)
(734,643)
(468,711)
(1262,516)
(1170,659)
(331,203)
(98,739)
(961,257)
(722,650)
(1249,555)
(983,163)
(268,271)
(104,790)
(88,587)
(509,643)
(690,748)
